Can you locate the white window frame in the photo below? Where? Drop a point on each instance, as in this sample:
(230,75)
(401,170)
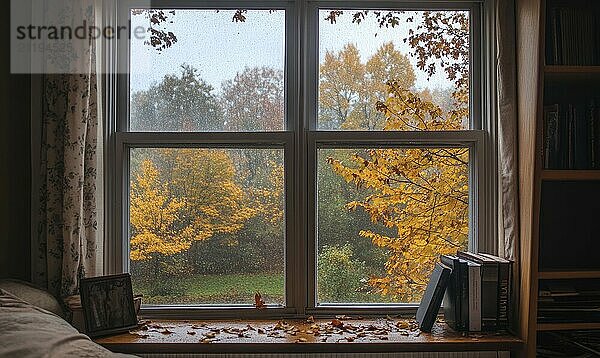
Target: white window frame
(300,141)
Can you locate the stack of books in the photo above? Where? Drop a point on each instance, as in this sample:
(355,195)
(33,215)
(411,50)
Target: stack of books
(478,292)
(571,135)
(568,301)
(573,36)
(475,288)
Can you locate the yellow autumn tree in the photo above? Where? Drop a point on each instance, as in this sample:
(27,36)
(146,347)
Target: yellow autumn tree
(349,89)
(420,193)
(268,202)
(192,198)
(155,216)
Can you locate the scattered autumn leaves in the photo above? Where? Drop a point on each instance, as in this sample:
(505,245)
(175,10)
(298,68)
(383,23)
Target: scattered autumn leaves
(342,329)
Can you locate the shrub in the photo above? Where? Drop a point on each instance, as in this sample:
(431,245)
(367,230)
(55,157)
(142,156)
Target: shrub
(340,276)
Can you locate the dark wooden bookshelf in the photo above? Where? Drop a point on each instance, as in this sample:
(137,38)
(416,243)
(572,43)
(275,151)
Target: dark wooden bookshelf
(563,85)
(571,76)
(570,175)
(567,326)
(560,275)
(564,69)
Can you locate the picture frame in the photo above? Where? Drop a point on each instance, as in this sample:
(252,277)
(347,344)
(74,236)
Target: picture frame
(107,303)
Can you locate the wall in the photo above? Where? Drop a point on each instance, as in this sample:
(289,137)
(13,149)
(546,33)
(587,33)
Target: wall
(15,162)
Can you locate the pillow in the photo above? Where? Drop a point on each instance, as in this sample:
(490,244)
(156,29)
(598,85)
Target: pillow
(33,295)
(28,331)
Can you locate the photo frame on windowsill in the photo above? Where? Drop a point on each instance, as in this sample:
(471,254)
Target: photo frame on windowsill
(107,303)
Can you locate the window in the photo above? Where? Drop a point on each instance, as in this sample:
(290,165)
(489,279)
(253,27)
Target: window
(322,154)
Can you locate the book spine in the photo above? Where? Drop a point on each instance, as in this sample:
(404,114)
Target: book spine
(580,153)
(570,138)
(474,298)
(489,288)
(555,38)
(550,137)
(503,294)
(451,303)
(561,135)
(563,40)
(593,134)
(489,296)
(464,295)
(596,121)
(436,300)
(546,139)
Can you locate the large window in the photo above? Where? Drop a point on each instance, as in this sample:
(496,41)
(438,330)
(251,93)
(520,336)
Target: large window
(322,155)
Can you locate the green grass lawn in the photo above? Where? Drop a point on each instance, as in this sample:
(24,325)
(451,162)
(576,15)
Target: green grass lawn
(215,289)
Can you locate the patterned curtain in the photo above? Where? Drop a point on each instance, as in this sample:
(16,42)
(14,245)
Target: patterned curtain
(67,240)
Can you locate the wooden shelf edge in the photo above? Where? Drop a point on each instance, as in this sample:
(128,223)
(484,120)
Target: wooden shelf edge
(564,174)
(549,275)
(571,69)
(567,326)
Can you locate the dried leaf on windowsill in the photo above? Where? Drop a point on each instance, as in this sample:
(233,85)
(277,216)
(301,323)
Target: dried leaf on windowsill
(208,340)
(139,335)
(258,301)
(210,335)
(337,323)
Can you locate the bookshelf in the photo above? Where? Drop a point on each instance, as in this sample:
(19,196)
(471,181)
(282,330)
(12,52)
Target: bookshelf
(563,69)
(541,327)
(570,175)
(562,187)
(560,275)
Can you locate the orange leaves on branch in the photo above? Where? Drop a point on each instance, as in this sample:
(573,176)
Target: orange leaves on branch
(423,193)
(420,192)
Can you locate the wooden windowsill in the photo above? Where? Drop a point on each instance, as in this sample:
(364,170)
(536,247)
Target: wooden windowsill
(398,336)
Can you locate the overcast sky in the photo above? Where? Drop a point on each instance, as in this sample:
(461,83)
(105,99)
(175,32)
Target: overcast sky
(219,48)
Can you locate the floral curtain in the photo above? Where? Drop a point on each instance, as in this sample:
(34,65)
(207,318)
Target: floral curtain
(67,241)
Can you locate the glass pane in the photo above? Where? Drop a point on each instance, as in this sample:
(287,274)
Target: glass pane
(393,70)
(207,225)
(207,70)
(384,217)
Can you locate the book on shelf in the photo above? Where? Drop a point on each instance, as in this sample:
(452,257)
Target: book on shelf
(474,314)
(572,36)
(551,144)
(504,278)
(569,301)
(489,288)
(570,135)
(478,293)
(456,298)
(432,298)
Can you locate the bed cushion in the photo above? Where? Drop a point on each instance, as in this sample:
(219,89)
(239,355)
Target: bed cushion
(33,295)
(30,331)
